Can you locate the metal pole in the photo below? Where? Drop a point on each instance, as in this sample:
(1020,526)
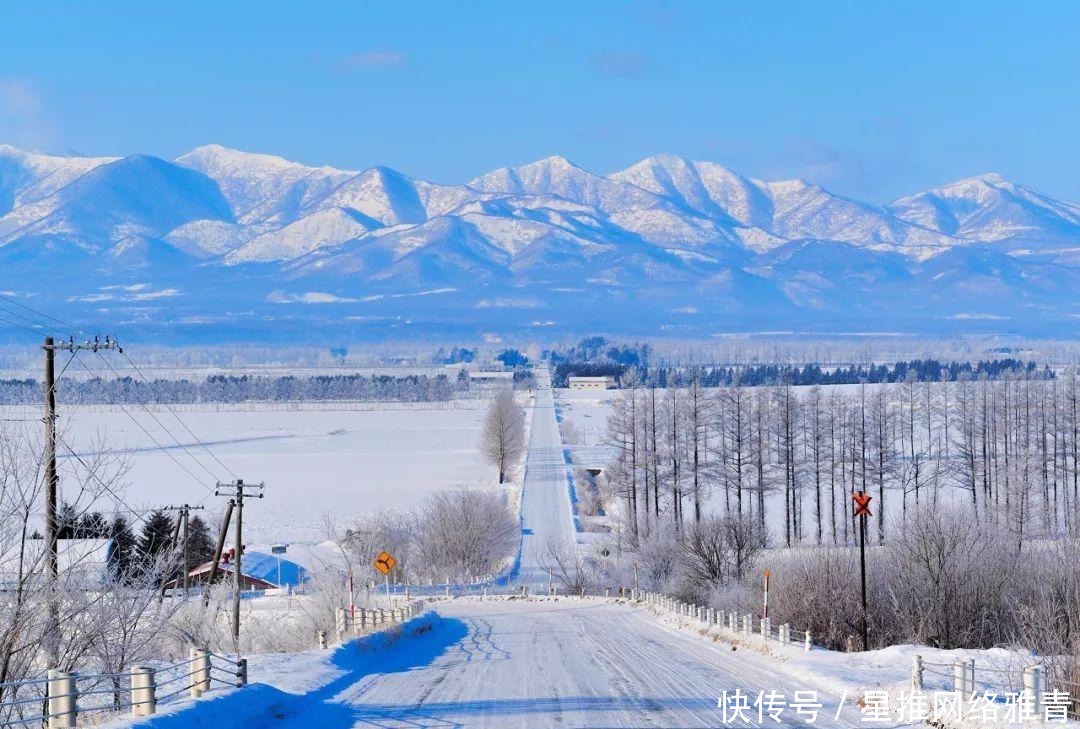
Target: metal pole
(184,516)
(165,577)
(236,561)
(52,633)
(765,607)
(218,550)
(862,569)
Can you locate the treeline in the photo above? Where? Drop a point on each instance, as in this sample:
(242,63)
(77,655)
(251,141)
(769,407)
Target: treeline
(244,388)
(922,370)
(135,553)
(1007,448)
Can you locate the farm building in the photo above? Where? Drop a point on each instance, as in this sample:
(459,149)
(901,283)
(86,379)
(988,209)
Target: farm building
(579,382)
(259,571)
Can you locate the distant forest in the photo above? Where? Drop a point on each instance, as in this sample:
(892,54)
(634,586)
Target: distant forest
(245,388)
(922,370)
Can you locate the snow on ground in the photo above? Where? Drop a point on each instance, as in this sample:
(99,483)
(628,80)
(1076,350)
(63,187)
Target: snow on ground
(546,518)
(569,662)
(313,463)
(860,674)
(563,662)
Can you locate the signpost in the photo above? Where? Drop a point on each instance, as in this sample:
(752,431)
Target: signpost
(861,501)
(385,563)
(277,550)
(765,607)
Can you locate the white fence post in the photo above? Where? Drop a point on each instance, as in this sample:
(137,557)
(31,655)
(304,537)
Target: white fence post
(63,699)
(806,642)
(143,691)
(916,674)
(964,676)
(200,672)
(339,622)
(766,629)
(320,639)
(1034,688)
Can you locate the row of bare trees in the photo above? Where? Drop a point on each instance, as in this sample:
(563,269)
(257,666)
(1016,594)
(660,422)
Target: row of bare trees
(789,457)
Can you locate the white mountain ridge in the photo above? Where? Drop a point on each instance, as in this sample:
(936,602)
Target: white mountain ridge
(666,200)
(665,223)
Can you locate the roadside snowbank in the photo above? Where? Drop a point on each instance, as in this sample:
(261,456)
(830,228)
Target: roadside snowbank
(286,686)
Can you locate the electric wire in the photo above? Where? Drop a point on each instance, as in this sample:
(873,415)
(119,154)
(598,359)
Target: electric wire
(154,440)
(178,418)
(157,420)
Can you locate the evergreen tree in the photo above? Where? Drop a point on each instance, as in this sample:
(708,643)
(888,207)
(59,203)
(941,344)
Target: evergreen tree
(200,542)
(67,521)
(92,526)
(124,546)
(156,538)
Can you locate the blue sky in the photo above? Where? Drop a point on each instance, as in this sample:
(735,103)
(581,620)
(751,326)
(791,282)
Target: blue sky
(871,99)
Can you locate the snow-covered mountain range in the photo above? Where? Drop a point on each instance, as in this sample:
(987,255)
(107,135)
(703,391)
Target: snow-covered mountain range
(251,244)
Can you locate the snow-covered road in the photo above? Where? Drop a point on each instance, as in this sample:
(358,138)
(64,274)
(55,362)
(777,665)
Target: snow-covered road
(545,503)
(534,664)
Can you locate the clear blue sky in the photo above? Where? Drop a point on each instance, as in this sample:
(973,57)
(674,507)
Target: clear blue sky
(872,99)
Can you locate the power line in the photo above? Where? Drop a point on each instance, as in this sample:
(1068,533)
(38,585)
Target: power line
(42,314)
(163,427)
(178,419)
(35,332)
(93,474)
(154,440)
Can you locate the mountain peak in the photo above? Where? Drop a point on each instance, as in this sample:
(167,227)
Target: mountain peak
(555,161)
(216,156)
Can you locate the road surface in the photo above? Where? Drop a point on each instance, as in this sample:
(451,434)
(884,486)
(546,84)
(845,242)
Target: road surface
(546,664)
(545,503)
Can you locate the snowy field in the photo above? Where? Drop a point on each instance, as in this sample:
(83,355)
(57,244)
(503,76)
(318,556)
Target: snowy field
(314,464)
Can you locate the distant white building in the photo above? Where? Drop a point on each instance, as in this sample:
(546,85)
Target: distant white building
(577,382)
(491,376)
(490,381)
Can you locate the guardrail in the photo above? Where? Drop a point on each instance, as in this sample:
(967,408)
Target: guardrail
(353,621)
(741,625)
(1028,683)
(58,699)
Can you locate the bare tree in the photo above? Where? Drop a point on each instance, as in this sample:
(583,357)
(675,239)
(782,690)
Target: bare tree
(720,548)
(465,533)
(503,438)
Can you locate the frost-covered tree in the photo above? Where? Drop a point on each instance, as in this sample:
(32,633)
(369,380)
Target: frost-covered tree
(503,439)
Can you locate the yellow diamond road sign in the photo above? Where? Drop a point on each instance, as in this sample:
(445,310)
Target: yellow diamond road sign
(384,563)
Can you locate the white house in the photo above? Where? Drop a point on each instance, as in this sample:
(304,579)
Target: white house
(86,561)
(578,382)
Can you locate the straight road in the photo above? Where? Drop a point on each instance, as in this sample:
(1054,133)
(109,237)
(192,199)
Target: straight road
(544,664)
(545,505)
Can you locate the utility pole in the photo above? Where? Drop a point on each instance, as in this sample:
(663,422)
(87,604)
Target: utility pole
(215,565)
(52,480)
(861,501)
(239,490)
(182,519)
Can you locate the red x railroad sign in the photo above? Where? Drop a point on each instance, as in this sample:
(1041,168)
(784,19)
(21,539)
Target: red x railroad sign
(862,503)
